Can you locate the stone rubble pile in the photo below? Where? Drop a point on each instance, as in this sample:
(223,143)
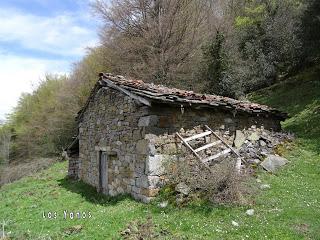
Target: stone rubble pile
(255,145)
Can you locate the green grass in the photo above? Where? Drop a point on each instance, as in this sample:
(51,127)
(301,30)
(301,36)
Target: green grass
(289,210)
(300,97)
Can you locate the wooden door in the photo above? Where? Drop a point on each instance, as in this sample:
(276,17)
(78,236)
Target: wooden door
(103,172)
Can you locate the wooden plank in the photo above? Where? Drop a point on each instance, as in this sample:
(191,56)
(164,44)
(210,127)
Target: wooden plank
(208,146)
(134,96)
(188,145)
(224,152)
(196,154)
(217,136)
(238,165)
(200,135)
(239,159)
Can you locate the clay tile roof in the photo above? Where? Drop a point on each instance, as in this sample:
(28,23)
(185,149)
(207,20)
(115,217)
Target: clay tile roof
(162,94)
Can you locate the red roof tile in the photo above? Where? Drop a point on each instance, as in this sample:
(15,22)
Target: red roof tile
(162,93)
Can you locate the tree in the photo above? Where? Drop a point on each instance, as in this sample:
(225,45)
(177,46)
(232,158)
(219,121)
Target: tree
(156,40)
(262,45)
(43,121)
(231,47)
(214,63)
(5,139)
(310,34)
(85,75)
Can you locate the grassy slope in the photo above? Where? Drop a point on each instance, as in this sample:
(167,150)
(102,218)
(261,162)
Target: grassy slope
(300,97)
(289,210)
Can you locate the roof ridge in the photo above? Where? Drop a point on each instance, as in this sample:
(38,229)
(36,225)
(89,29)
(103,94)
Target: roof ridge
(164,94)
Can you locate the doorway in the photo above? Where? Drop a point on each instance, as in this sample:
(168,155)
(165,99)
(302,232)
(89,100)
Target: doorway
(103,172)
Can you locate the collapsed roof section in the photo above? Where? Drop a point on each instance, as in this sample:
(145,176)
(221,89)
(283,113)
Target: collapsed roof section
(149,93)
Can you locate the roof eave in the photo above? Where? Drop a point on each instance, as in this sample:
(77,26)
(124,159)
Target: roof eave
(148,97)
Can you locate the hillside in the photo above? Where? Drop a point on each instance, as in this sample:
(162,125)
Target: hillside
(290,209)
(300,97)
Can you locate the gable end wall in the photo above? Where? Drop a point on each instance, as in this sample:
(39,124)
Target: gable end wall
(111,124)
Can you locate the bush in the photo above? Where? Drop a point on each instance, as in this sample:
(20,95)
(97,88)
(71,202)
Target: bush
(220,183)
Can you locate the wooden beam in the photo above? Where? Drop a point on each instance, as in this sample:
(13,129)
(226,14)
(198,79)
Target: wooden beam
(238,165)
(188,145)
(239,158)
(224,152)
(134,96)
(207,146)
(200,135)
(217,136)
(196,154)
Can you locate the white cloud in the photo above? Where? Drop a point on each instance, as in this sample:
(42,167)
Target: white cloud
(18,75)
(64,34)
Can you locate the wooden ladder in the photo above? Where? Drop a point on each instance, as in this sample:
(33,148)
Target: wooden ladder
(219,140)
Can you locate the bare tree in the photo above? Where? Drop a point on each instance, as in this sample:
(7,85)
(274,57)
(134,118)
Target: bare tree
(157,40)
(5,138)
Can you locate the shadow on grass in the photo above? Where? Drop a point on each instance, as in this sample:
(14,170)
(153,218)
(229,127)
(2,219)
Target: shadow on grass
(90,193)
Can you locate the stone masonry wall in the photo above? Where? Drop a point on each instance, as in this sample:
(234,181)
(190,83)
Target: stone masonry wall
(73,168)
(114,123)
(139,139)
(164,121)
(170,119)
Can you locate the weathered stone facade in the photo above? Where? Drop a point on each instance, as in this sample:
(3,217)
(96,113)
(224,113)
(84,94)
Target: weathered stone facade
(137,139)
(74,167)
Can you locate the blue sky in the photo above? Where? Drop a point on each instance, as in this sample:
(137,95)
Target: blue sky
(39,37)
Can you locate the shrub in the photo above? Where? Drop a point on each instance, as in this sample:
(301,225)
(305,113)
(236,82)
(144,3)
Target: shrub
(220,183)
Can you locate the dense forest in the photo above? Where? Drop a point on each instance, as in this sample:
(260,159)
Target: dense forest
(228,48)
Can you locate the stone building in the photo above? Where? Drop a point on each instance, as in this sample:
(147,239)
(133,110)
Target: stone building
(127,130)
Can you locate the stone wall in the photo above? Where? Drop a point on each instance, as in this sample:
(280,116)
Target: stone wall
(74,166)
(113,123)
(164,121)
(139,139)
(167,119)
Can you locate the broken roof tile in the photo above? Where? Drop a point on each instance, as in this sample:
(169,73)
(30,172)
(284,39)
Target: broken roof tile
(160,93)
